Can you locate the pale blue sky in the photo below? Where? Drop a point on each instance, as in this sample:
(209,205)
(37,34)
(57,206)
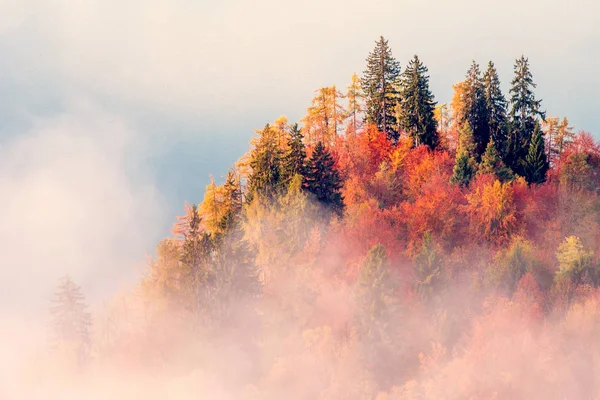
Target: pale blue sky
(112,113)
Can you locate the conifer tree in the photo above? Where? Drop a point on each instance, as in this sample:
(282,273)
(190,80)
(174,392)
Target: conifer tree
(475,109)
(417,105)
(524,113)
(464,168)
(379,84)
(323,180)
(491,163)
(324,116)
(536,162)
(266,164)
(355,106)
(70,321)
(495,108)
(294,158)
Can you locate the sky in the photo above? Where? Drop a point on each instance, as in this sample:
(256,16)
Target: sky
(114,113)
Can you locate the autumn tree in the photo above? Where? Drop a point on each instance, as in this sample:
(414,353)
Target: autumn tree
(417,105)
(323,180)
(379,84)
(70,321)
(576,263)
(559,135)
(355,104)
(324,117)
(524,114)
(495,108)
(536,162)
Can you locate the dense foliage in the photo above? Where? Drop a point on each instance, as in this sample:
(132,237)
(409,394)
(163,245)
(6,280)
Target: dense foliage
(397,261)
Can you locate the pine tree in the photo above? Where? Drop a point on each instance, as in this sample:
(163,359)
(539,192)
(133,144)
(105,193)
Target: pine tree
(379,84)
(495,108)
(536,162)
(428,267)
(323,179)
(355,106)
(417,105)
(266,164)
(70,321)
(475,109)
(464,168)
(491,163)
(295,157)
(524,113)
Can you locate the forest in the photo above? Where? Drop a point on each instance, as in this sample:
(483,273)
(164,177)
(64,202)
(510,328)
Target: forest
(383,247)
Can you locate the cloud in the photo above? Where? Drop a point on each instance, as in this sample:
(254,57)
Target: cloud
(74,198)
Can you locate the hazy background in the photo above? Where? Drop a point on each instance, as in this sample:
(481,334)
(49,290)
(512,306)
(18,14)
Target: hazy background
(113,113)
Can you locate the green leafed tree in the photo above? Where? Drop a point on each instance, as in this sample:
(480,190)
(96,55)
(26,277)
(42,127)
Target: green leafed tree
(323,180)
(491,163)
(536,161)
(417,105)
(380,87)
(266,163)
(294,159)
(464,168)
(495,108)
(476,109)
(525,112)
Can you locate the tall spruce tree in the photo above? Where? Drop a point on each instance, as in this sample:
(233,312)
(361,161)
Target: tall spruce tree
(476,110)
(294,158)
(70,320)
(379,83)
(536,161)
(323,180)
(266,163)
(495,108)
(417,105)
(524,115)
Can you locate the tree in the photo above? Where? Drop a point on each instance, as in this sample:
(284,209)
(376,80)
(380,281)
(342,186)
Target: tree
(222,205)
(266,164)
(476,110)
(524,113)
(491,163)
(324,116)
(559,135)
(70,321)
(355,106)
(323,180)
(294,158)
(428,266)
(379,84)
(417,105)
(575,262)
(495,108)
(464,168)
(536,162)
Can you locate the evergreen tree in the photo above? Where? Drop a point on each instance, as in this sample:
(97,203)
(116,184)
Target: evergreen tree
(70,320)
(495,108)
(379,84)
(232,202)
(491,163)
(428,267)
(294,158)
(464,168)
(524,113)
(536,162)
(323,180)
(266,164)
(417,105)
(476,110)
